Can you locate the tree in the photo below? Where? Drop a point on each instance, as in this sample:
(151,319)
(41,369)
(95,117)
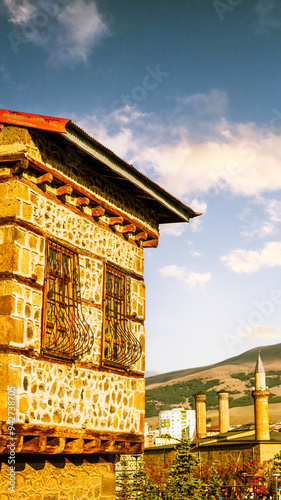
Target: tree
(183,481)
(143,488)
(124,480)
(215,482)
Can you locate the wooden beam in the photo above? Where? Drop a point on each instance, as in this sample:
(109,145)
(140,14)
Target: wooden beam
(141,236)
(58,176)
(113,221)
(129,228)
(135,449)
(98,211)
(150,244)
(91,446)
(54,445)
(82,201)
(3,443)
(20,166)
(19,443)
(44,178)
(34,445)
(107,446)
(74,446)
(66,189)
(121,447)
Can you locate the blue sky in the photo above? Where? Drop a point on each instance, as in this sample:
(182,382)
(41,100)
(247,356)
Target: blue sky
(189,92)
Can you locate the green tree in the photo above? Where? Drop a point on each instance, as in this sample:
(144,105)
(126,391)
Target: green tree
(143,488)
(183,481)
(124,486)
(214,483)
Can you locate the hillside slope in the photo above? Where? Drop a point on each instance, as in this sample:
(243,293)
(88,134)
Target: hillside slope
(271,356)
(236,375)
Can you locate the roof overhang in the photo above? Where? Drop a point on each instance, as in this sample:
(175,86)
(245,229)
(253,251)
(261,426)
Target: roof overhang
(168,208)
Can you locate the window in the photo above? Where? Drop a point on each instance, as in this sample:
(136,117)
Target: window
(65,332)
(120,346)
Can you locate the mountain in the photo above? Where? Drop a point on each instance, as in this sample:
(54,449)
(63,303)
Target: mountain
(271,355)
(234,374)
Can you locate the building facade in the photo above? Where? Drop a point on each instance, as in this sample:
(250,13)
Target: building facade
(177,423)
(74,222)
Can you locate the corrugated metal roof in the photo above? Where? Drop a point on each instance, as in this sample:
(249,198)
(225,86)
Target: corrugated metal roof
(169,208)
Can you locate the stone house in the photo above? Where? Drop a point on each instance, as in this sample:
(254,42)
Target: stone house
(74,222)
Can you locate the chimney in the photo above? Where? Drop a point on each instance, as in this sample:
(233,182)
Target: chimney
(223,411)
(260,395)
(201,420)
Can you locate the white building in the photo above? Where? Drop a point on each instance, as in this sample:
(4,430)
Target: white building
(178,423)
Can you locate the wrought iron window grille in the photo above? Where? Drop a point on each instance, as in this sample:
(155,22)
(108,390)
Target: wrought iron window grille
(66,333)
(121,346)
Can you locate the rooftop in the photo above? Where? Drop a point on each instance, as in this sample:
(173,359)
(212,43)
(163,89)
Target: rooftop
(63,131)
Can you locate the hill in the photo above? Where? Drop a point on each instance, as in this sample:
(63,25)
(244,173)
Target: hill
(235,374)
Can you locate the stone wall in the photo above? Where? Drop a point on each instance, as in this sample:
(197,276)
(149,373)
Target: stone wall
(75,394)
(67,395)
(59,478)
(228,455)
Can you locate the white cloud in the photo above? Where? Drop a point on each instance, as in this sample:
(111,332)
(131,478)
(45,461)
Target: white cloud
(173,229)
(213,103)
(251,261)
(83,27)
(273,208)
(20,12)
(268,14)
(194,253)
(261,230)
(235,158)
(261,332)
(67,33)
(182,274)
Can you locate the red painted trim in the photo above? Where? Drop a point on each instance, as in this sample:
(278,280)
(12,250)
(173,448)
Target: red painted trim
(35,121)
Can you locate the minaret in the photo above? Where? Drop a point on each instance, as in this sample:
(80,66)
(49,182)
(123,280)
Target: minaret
(201,418)
(223,411)
(260,395)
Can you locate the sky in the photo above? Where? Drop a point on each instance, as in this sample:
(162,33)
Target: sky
(188,91)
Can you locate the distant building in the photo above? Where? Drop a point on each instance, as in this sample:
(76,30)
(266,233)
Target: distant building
(177,423)
(214,445)
(252,441)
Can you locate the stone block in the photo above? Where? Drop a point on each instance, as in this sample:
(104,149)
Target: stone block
(39,271)
(7,304)
(18,190)
(108,485)
(139,401)
(142,422)
(4,377)
(32,241)
(3,405)
(27,211)
(23,404)
(10,207)
(3,190)
(14,376)
(7,257)
(9,232)
(12,329)
(20,235)
(25,262)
